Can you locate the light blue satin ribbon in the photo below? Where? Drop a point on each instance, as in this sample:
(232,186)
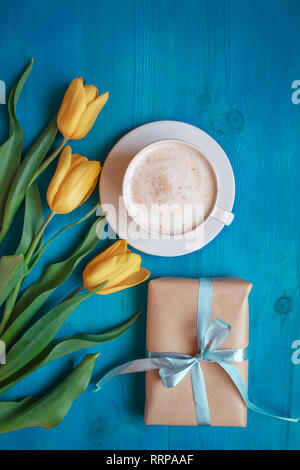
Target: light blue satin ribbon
(173,367)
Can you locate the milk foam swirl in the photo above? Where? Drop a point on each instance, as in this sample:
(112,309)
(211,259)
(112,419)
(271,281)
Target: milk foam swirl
(171,188)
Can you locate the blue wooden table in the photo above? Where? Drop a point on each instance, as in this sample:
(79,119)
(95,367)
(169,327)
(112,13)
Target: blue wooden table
(226,66)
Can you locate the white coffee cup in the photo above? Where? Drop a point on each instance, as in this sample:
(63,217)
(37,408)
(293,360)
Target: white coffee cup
(215,211)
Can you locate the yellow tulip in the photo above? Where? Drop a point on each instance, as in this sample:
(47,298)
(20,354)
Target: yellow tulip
(73,182)
(79,109)
(118,266)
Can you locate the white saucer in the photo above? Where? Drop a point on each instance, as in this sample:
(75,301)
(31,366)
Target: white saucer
(124,151)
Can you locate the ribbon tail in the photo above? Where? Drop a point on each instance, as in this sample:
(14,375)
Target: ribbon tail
(228,355)
(236,377)
(200,397)
(139,365)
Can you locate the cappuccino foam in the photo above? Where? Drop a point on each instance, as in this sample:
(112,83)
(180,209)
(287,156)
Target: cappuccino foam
(171,188)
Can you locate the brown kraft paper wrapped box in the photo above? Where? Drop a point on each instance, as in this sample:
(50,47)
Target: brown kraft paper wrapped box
(171,327)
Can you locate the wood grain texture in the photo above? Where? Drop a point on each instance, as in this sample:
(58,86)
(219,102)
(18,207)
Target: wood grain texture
(227,67)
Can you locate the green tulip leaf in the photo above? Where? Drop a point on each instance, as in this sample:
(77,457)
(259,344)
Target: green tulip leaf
(63,347)
(49,411)
(27,169)
(33,218)
(36,295)
(9,408)
(39,335)
(10,151)
(12,269)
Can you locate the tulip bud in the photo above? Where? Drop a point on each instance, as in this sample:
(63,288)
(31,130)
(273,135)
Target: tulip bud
(79,109)
(73,182)
(116,265)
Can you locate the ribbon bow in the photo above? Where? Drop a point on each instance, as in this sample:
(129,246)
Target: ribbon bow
(173,367)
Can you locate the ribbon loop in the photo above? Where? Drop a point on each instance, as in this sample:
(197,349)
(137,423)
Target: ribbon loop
(217,333)
(176,370)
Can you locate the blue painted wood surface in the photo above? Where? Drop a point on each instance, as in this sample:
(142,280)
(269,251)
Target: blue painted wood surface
(227,67)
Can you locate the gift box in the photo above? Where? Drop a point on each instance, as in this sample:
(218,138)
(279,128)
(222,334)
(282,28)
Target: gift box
(197,341)
(172,327)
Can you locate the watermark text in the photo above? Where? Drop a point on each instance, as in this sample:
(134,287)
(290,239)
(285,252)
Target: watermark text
(2,92)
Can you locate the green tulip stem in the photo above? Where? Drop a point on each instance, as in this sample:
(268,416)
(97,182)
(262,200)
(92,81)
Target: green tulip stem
(11,300)
(38,237)
(79,289)
(49,160)
(44,248)
(91,212)
(9,305)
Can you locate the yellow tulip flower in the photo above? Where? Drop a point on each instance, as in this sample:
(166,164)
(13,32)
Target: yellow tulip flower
(118,266)
(73,182)
(79,109)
